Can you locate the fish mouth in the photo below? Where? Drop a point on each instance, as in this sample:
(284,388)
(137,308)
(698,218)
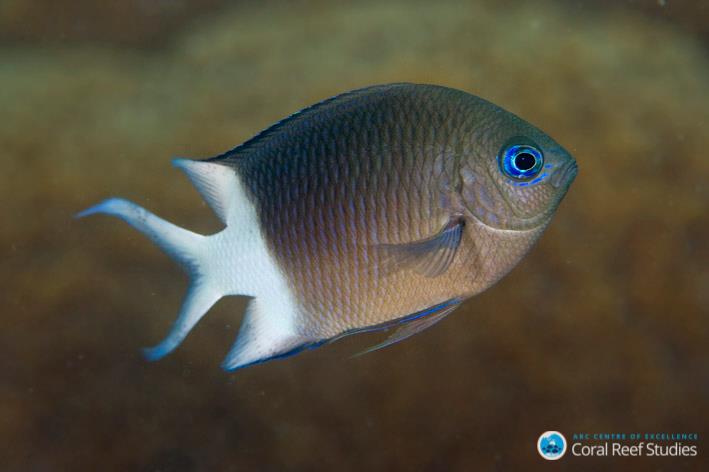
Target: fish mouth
(566,174)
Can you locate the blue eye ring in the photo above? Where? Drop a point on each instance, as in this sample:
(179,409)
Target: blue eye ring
(521,161)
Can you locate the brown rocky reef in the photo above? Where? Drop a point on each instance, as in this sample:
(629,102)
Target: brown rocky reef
(604,327)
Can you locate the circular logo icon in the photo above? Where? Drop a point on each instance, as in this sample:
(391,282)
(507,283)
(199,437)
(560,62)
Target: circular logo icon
(551,445)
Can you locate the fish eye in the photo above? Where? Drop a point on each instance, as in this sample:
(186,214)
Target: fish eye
(521,161)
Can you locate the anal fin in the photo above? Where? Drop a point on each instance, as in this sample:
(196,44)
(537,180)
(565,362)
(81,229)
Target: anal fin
(266,333)
(415,324)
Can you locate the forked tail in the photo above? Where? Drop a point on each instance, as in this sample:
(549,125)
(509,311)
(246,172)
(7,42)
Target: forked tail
(187,248)
(235,261)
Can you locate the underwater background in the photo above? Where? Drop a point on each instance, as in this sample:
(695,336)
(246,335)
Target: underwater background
(604,326)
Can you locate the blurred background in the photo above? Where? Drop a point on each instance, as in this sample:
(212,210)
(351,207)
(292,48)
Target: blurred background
(604,327)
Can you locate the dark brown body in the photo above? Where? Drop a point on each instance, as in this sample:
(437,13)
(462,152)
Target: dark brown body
(371,167)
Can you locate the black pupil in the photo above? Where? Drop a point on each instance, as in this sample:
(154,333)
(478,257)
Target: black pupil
(525,161)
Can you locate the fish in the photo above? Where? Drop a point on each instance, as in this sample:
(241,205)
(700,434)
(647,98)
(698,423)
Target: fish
(381,208)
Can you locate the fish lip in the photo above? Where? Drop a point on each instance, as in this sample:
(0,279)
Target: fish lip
(565,174)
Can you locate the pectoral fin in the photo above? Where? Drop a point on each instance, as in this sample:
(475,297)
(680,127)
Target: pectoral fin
(430,257)
(415,324)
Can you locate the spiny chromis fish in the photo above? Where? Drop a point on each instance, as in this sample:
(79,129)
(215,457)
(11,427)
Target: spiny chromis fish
(384,207)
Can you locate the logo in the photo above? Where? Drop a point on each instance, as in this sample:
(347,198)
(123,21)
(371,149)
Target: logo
(551,445)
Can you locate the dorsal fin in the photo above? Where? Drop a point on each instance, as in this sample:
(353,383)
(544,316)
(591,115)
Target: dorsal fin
(303,115)
(214,182)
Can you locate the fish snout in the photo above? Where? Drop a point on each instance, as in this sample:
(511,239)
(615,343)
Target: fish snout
(565,175)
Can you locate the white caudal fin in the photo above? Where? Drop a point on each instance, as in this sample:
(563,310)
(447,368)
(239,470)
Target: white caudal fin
(235,261)
(179,243)
(187,248)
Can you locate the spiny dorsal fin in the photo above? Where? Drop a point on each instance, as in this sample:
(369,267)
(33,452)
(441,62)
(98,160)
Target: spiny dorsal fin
(303,115)
(430,257)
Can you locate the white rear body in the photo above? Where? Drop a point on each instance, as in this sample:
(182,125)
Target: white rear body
(235,261)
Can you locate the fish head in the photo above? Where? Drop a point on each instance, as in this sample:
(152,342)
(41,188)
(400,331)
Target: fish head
(514,175)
